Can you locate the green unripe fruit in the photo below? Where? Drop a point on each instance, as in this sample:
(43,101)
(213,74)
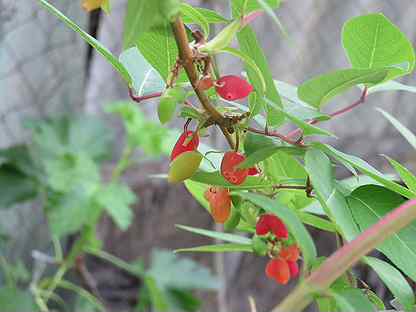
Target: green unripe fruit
(232,221)
(184,166)
(259,246)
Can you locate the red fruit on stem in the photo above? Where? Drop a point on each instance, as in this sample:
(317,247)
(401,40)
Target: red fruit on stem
(262,225)
(219,203)
(293,268)
(253,171)
(228,168)
(187,142)
(290,253)
(270,223)
(233,88)
(278,269)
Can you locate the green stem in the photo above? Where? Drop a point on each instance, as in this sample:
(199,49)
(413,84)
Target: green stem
(122,164)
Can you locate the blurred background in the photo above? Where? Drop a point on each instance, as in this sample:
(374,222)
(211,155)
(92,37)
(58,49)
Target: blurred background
(45,68)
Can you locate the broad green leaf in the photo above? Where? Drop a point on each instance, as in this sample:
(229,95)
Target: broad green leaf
(365,168)
(249,45)
(405,132)
(15,186)
(15,300)
(90,40)
(217,235)
(408,178)
(116,198)
(316,221)
(372,41)
(319,90)
(394,281)
(391,86)
(168,102)
(145,16)
(250,63)
(144,78)
(182,273)
(352,300)
(69,212)
(369,204)
(291,220)
(333,202)
(219,248)
(210,16)
(195,16)
(254,142)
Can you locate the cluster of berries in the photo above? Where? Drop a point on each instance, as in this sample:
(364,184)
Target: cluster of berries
(283,264)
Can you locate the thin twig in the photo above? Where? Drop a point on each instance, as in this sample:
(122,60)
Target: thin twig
(142,98)
(346,109)
(277,135)
(186,57)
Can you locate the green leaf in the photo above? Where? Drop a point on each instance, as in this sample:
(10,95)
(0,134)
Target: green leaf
(394,281)
(269,11)
(372,41)
(251,5)
(217,235)
(210,16)
(15,186)
(219,248)
(267,152)
(157,296)
(352,300)
(143,16)
(332,200)
(90,40)
(391,86)
(67,213)
(405,132)
(408,178)
(291,220)
(249,45)
(371,203)
(182,273)
(319,90)
(365,168)
(168,103)
(144,78)
(195,16)
(254,142)
(215,178)
(317,222)
(16,300)
(116,198)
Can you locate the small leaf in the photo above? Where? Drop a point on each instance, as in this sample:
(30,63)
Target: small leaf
(372,41)
(394,281)
(210,16)
(90,40)
(116,198)
(223,39)
(290,219)
(217,235)
(408,178)
(319,90)
(250,6)
(194,16)
(219,248)
(318,222)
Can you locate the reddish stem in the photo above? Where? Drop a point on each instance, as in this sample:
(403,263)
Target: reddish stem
(139,99)
(277,135)
(346,109)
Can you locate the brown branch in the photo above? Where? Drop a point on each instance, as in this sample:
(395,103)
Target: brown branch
(187,61)
(277,135)
(344,258)
(346,109)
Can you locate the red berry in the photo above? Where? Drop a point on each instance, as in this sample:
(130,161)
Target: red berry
(233,88)
(253,171)
(278,269)
(205,83)
(270,223)
(188,141)
(290,253)
(219,203)
(293,268)
(228,168)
